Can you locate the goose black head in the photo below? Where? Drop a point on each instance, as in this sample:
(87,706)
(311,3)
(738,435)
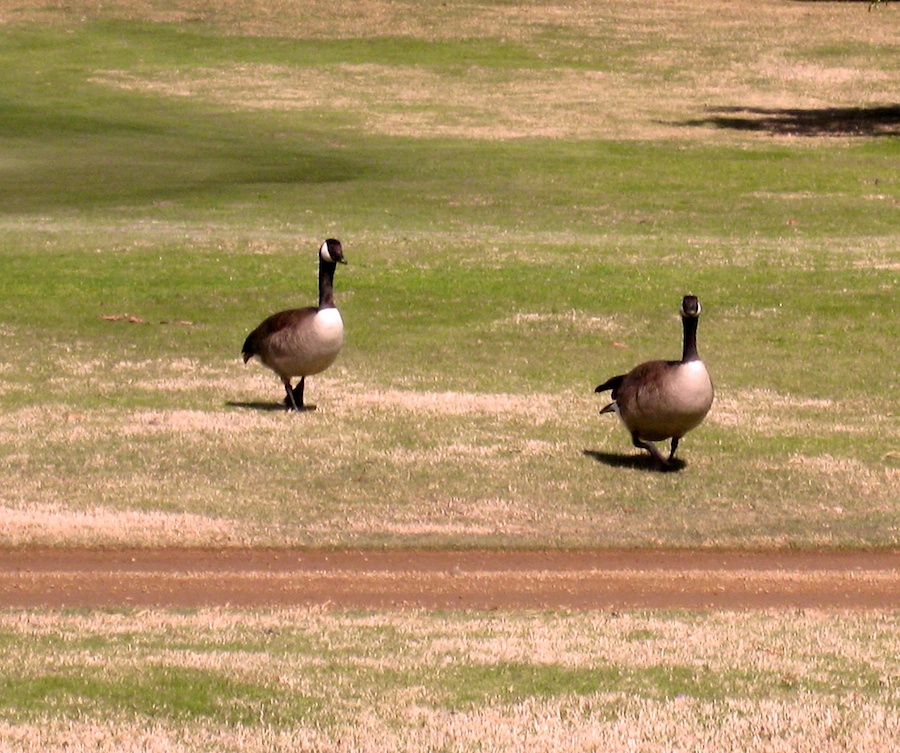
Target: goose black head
(332,251)
(690,307)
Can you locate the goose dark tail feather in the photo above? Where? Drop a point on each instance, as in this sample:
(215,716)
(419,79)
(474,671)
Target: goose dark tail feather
(611,384)
(249,350)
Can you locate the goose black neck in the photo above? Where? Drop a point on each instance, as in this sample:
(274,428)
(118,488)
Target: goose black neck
(326,283)
(690,339)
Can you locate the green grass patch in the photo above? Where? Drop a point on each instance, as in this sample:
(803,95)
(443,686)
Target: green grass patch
(274,675)
(173,694)
(469,686)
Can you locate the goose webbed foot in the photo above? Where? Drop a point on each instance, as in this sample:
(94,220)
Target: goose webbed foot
(664,463)
(290,402)
(672,450)
(295,406)
(294,399)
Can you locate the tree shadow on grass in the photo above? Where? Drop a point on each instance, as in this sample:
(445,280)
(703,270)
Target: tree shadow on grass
(823,121)
(867,2)
(636,461)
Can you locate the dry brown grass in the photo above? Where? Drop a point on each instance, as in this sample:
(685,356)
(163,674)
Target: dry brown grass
(770,682)
(671,83)
(97,475)
(57,523)
(41,506)
(251,475)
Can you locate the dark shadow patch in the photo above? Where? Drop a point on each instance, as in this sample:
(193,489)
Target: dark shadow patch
(636,461)
(870,3)
(258,406)
(825,121)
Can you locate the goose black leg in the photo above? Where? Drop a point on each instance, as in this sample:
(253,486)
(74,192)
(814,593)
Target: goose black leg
(651,448)
(674,447)
(289,402)
(298,396)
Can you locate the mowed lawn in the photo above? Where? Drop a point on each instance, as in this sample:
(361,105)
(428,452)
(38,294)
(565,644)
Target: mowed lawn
(309,680)
(524,192)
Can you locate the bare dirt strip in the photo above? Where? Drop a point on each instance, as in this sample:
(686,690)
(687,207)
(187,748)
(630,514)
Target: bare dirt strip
(437,579)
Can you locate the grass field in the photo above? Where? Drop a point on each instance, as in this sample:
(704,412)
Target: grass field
(524,192)
(319,681)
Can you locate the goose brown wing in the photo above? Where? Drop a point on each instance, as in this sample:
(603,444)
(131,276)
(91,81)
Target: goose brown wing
(273,326)
(645,382)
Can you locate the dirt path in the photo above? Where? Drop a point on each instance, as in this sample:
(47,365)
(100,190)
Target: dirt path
(652,579)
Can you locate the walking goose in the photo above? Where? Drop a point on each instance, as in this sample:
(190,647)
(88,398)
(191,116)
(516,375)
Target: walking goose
(301,342)
(659,400)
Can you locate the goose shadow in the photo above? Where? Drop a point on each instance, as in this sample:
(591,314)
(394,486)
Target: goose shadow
(636,461)
(263,407)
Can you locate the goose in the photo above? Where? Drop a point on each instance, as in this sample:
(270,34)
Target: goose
(659,400)
(306,341)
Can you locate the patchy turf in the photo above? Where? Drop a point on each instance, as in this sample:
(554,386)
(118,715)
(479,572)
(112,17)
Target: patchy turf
(525,191)
(320,680)
(166,166)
